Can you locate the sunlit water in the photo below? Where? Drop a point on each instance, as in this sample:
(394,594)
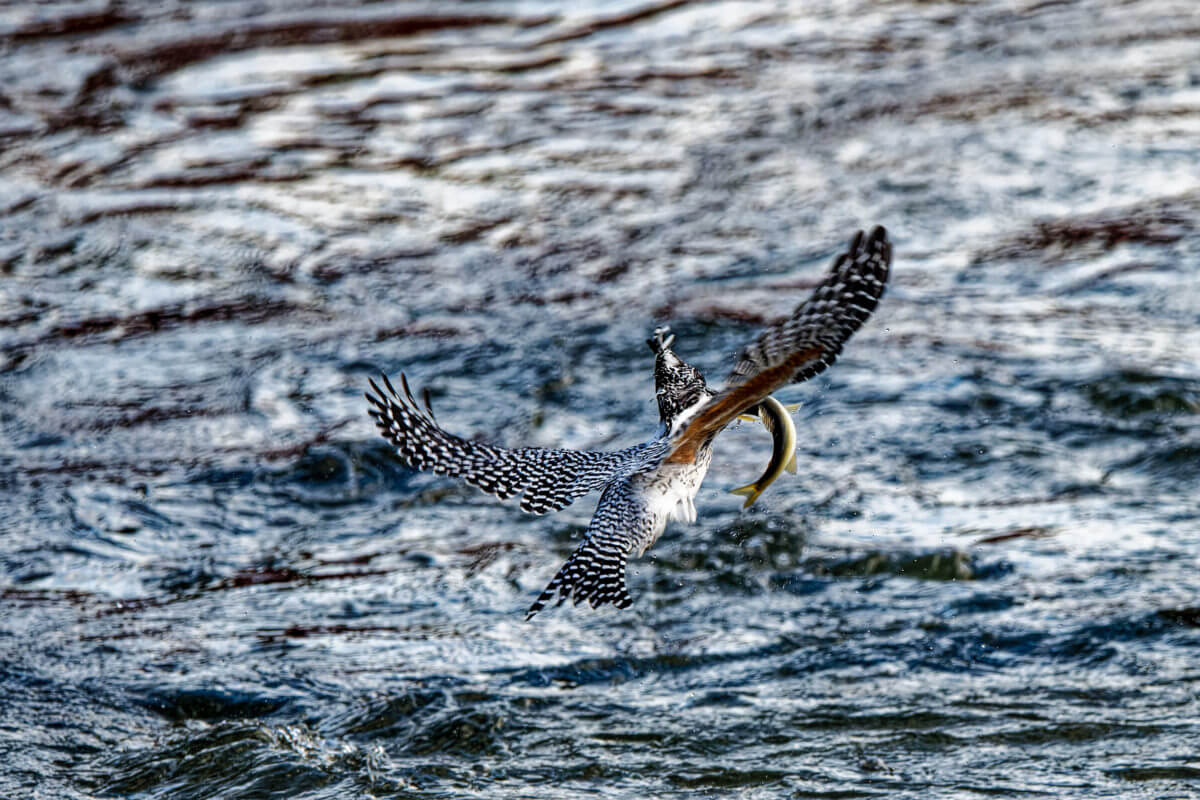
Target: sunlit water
(218,219)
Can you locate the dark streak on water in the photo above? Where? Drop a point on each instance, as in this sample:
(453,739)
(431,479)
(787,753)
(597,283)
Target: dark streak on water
(217,219)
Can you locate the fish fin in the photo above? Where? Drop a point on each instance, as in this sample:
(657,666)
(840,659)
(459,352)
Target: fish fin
(792,408)
(748,417)
(750,491)
(791,465)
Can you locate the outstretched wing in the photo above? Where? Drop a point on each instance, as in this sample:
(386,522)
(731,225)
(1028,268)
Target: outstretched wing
(547,480)
(801,346)
(595,572)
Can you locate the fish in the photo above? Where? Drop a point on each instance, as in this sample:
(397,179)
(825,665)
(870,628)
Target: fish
(777,419)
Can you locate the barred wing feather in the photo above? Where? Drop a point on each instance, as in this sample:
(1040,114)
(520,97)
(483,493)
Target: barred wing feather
(547,480)
(829,317)
(801,346)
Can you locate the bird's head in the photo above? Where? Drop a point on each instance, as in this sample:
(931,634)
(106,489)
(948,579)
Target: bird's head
(677,384)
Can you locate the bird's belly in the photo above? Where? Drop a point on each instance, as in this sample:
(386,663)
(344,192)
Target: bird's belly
(672,490)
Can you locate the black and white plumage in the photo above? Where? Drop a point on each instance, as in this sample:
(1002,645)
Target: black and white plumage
(645,485)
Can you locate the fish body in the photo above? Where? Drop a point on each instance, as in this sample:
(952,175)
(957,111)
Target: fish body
(776,418)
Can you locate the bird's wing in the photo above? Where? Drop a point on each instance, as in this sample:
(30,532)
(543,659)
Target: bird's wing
(595,572)
(547,480)
(801,346)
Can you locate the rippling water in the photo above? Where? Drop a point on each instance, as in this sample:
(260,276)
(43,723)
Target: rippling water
(217,219)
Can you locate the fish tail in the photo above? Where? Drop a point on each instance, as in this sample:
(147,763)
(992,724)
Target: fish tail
(750,491)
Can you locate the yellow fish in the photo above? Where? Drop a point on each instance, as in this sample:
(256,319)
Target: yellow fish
(777,419)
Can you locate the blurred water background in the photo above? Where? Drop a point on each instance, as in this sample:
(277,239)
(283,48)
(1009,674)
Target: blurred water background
(218,218)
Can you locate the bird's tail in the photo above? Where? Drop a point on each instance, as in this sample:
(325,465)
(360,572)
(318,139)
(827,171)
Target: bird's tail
(595,573)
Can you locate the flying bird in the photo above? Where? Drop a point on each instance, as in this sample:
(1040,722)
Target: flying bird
(645,485)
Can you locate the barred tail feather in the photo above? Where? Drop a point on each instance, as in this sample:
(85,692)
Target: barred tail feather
(595,573)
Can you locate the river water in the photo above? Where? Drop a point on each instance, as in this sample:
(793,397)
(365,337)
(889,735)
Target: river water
(218,219)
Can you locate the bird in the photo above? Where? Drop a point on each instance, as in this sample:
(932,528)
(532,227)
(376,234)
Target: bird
(643,486)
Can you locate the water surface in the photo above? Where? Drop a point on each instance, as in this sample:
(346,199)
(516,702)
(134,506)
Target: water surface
(217,220)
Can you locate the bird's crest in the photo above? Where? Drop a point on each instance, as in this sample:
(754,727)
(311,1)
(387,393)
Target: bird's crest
(677,384)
